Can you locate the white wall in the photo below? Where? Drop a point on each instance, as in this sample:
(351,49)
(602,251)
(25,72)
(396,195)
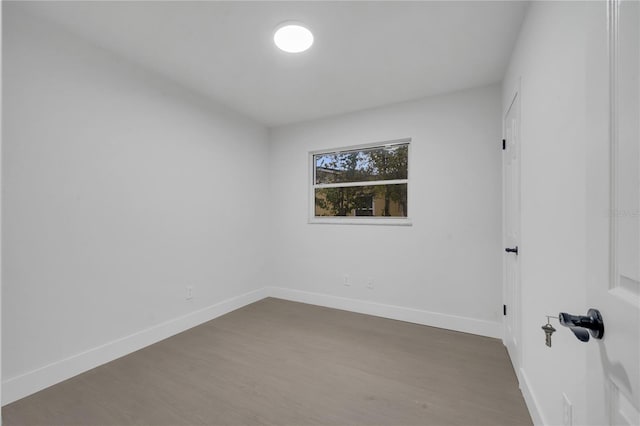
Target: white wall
(119,189)
(550,60)
(444,270)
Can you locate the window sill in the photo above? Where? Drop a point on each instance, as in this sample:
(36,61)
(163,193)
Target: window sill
(399,221)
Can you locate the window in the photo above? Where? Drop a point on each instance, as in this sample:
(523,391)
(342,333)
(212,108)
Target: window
(364,205)
(364,184)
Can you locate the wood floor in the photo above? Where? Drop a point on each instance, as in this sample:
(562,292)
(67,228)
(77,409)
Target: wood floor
(283,363)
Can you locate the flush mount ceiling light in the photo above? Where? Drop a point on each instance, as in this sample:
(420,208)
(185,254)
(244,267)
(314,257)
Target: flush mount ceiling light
(293,38)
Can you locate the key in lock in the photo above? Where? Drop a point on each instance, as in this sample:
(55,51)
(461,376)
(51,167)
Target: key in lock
(548,331)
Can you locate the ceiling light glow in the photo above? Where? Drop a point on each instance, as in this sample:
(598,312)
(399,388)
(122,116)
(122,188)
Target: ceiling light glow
(293,38)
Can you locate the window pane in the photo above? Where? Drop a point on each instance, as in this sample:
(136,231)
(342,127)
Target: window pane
(375,200)
(379,163)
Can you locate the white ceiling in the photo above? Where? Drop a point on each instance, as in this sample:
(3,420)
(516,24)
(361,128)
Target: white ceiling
(366,54)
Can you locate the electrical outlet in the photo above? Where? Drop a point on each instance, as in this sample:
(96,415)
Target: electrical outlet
(370,283)
(189,293)
(347,280)
(567,411)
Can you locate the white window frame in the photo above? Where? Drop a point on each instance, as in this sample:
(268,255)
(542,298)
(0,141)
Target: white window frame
(358,220)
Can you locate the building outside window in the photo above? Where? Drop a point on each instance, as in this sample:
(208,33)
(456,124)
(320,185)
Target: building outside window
(365,182)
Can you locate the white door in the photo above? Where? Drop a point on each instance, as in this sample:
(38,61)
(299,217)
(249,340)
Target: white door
(511,232)
(613,212)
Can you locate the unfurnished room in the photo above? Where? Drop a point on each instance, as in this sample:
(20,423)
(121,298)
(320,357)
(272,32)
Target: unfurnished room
(320,213)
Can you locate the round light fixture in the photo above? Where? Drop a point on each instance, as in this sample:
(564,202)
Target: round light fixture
(293,38)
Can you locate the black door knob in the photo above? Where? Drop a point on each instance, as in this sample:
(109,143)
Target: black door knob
(583,325)
(512,250)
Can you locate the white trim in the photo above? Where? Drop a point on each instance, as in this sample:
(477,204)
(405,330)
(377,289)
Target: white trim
(1,124)
(33,381)
(360,183)
(417,316)
(358,147)
(530,400)
(613,14)
(361,220)
(26,384)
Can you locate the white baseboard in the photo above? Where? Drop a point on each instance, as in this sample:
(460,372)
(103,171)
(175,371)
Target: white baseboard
(26,384)
(530,399)
(417,316)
